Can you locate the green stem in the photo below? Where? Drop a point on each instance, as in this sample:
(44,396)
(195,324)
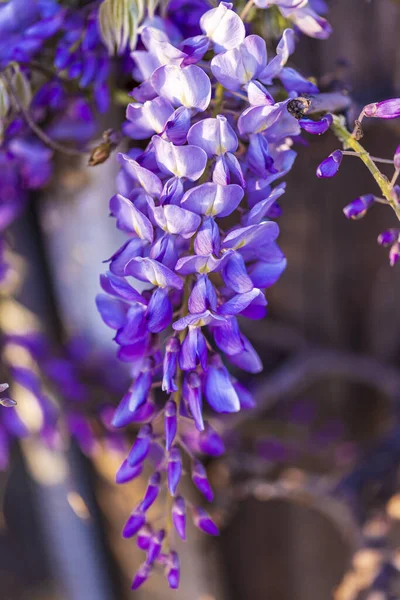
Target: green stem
(246,9)
(349,141)
(218,100)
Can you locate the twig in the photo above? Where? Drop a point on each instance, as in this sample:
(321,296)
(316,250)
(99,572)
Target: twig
(246,9)
(308,366)
(36,129)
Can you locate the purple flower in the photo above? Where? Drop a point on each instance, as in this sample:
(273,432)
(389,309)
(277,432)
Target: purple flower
(179,516)
(141,447)
(387,109)
(173,570)
(134,524)
(152,492)
(330,166)
(174,469)
(188,86)
(219,390)
(199,478)
(141,576)
(316,127)
(223,27)
(358,208)
(239,66)
(203,521)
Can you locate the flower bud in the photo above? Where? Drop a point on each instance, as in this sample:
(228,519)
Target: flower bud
(156,541)
(173,570)
(358,208)
(152,491)
(316,127)
(141,446)
(203,521)
(199,478)
(210,442)
(126,472)
(174,470)
(144,537)
(179,516)
(133,524)
(330,166)
(141,576)
(170,364)
(387,109)
(170,423)
(388,237)
(193,396)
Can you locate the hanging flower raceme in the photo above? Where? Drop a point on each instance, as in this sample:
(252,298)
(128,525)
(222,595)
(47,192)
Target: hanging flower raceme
(197,204)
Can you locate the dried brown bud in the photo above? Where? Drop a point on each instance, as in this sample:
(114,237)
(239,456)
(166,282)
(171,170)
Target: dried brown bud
(358,130)
(100,153)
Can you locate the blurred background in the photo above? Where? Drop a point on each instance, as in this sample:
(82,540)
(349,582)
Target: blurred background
(308,490)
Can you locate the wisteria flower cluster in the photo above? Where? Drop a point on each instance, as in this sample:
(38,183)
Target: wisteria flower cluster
(198,203)
(209,136)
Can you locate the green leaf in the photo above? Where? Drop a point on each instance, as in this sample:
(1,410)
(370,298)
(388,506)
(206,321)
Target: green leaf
(4,100)
(119,21)
(22,87)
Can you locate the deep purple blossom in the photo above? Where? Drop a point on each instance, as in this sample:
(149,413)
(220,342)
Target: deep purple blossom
(330,166)
(358,208)
(387,109)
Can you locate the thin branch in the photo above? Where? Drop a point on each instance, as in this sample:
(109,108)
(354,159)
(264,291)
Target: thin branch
(42,135)
(307,367)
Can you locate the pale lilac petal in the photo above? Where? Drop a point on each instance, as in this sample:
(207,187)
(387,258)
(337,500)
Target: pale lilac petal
(119,287)
(242,64)
(258,95)
(194,48)
(253,235)
(294,82)
(309,22)
(223,26)
(219,391)
(199,264)
(181,161)
(112,311)
(176,220)
(178,125)
(247,359)
(212,199)
(157,43)
(260,210)
(147,119)
(146,269)
(214,136)
(228,338)
(199,320)
(148,180)
(257,119)
(130,219)
(208,239)
(284,49)
(189,86)
(203,296)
